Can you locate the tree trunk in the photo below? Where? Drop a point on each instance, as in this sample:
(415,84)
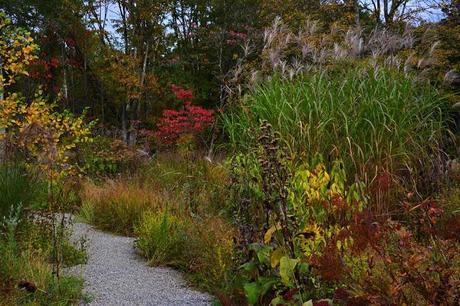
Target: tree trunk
(124,123)
(142,80)
(356,11)
(2,130)
(125,120)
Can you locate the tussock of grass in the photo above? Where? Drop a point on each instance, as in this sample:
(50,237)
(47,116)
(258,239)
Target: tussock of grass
(210,254)
(162,238)
(203,248)
(118,206)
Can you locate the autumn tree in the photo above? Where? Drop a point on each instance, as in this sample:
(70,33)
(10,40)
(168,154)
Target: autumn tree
(449,34)
(45,135)
(16,52)
(390,12)
(139,24)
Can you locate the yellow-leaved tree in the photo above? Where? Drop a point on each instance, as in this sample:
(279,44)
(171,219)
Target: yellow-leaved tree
(16,52)
(44,135)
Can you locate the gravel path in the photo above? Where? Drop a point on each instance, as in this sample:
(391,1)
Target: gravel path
(116,275)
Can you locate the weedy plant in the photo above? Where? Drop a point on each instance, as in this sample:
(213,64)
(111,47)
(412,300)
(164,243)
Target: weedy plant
(26,275)
(306,212)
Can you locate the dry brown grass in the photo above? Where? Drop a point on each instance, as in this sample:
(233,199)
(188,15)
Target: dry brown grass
(119,205)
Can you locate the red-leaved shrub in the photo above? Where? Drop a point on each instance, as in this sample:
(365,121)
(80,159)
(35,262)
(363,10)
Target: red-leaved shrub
(181,93)
(191,119)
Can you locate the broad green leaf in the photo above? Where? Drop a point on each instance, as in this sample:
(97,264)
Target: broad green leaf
(303,268)
(287,266)
(249,266)
(262,252)
(308,303)
(252,291)
(266,284)
(264,255)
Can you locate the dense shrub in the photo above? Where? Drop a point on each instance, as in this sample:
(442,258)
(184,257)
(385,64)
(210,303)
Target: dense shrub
(189,120)
(108,157)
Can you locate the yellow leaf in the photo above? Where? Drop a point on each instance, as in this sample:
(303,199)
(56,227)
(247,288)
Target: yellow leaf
(287,267)
(268,235)
(275,257)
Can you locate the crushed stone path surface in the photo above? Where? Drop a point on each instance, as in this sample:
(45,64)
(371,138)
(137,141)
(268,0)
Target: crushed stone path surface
(116,275)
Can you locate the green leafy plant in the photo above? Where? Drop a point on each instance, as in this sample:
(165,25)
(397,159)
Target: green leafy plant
(106,157)
(307,215)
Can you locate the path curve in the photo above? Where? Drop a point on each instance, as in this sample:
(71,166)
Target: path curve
(116,275)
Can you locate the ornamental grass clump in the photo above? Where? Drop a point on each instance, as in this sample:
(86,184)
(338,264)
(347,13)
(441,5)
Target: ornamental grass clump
(162,238)
(202,248)
(117,205)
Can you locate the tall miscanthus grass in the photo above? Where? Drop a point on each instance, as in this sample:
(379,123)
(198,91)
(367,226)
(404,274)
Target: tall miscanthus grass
(379,121)
(346,93)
